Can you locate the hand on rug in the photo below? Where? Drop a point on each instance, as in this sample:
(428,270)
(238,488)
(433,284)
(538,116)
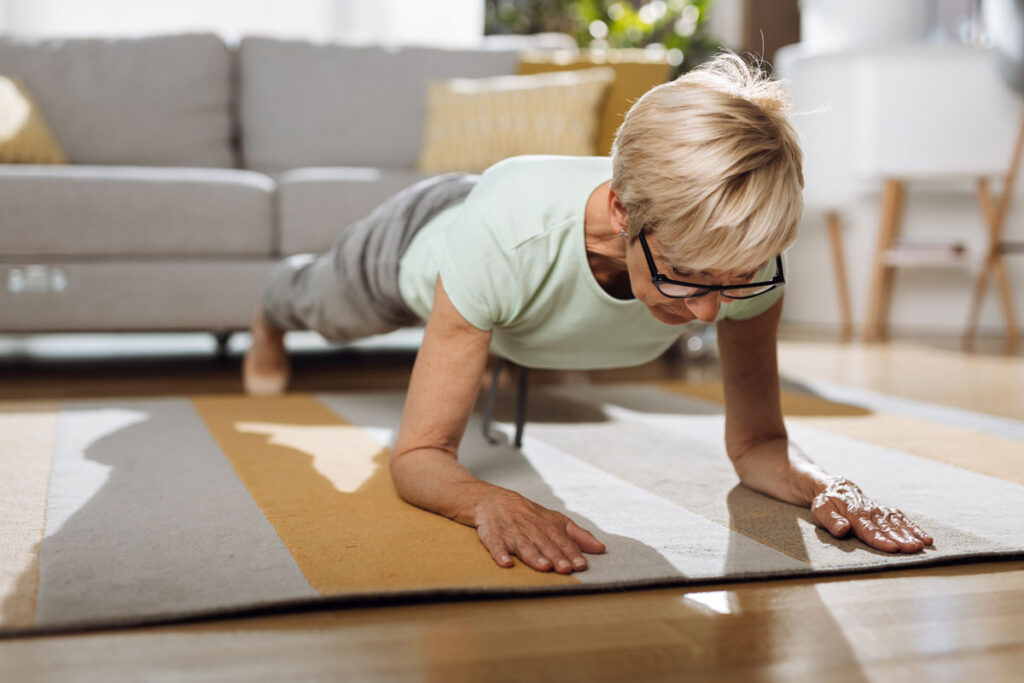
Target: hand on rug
(510,524)
(842,506)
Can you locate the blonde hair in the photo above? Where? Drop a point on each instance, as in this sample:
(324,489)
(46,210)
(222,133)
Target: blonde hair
(711,164)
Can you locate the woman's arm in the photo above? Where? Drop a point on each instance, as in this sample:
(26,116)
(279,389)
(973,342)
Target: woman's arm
(753,415)
(424,466)
(767,461)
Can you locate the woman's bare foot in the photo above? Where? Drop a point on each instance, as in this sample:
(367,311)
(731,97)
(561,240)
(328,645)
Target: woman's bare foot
(265,370)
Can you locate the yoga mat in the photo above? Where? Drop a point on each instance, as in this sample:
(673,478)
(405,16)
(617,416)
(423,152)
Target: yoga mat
(131,511)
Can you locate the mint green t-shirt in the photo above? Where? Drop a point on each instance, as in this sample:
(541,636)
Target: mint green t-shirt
(512,260)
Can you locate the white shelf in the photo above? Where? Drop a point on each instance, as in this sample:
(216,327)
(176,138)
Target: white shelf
(926,254)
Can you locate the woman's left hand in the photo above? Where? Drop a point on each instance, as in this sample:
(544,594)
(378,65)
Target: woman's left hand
(842,506)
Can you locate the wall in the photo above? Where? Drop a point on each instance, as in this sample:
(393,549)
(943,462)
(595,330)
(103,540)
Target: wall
(435,22)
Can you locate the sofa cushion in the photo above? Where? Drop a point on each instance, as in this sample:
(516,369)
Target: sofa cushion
(124,295)
(315,205)
(134,210)
(153,101)
(636,72)
(473,123)
(304,104)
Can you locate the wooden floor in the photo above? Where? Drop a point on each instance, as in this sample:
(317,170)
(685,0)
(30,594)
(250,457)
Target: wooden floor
(960,622)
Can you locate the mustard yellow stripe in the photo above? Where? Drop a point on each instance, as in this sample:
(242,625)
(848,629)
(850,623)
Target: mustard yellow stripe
(28,434)
(324,486)
(965,448)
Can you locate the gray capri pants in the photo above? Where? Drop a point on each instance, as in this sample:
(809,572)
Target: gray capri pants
(352,290)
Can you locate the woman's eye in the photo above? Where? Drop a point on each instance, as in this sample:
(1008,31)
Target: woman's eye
(691,276)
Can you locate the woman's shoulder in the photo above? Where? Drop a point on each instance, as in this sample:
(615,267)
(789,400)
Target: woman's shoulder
(537,168)
(525,198)
(536,189)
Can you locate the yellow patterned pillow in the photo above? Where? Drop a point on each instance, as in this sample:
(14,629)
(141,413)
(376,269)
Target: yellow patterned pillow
(474,123)
(24,136)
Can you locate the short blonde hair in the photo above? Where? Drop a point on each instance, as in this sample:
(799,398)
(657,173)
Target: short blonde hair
(711,164)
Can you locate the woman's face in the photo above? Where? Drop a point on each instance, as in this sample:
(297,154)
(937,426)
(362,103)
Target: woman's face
(666,309)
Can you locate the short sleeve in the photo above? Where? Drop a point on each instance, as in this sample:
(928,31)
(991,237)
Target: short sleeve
(477,274)
(744,309)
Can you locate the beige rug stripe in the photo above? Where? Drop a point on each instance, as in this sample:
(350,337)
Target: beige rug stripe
(969,449)
(347,532)
(28,434)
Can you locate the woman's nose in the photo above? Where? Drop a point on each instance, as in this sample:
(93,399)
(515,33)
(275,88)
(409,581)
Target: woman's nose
(705,307)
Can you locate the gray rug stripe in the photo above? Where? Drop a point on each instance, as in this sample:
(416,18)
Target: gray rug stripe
(943,499)
(118,524)
(687,545)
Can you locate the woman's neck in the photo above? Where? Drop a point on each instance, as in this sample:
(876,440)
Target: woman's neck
(606,249)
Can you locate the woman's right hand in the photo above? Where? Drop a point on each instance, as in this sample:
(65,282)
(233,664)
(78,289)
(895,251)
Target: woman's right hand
(424,465)
(509,524)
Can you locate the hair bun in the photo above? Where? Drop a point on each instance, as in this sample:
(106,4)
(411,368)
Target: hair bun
(772,97)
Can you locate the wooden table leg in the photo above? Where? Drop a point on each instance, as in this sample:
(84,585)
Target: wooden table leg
(880,296)
(839,266)
(1006,295)
(995,219)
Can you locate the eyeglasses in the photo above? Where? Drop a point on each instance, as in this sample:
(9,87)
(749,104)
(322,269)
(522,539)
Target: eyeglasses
(676,289)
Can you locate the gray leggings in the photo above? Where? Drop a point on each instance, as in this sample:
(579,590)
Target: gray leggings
(352,290)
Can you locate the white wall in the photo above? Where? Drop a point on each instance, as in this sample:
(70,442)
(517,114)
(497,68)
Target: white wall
(230,17)
(448,22)
(725,20)
(436,22)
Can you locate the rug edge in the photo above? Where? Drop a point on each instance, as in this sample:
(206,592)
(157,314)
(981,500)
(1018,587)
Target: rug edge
(410,597)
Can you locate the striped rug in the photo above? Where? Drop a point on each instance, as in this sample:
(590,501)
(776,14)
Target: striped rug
(133,511)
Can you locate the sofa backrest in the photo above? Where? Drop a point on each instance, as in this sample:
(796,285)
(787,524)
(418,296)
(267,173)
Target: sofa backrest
(307,104)
(148,101)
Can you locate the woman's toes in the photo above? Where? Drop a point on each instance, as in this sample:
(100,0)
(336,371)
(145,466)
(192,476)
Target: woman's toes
(262,385)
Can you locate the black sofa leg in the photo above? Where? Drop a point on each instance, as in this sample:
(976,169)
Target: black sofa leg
(222,344)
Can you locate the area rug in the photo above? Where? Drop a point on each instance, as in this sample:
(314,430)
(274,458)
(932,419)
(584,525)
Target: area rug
(133,511)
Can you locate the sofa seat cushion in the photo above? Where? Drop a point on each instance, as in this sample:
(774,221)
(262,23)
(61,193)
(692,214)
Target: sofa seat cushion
(317,204)
(305,104)
(150,101)
(84,210)
(125,295)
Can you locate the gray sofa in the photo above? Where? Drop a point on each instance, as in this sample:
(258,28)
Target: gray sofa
(195,165)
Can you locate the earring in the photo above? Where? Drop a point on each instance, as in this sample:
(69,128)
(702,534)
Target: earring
(623,233)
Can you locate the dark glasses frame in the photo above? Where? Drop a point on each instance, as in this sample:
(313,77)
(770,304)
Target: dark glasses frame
(658,279)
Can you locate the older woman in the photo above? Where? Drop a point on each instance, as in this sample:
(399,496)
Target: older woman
(589,262)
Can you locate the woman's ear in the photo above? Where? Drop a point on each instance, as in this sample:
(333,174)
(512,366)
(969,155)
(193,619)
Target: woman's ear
(617,213)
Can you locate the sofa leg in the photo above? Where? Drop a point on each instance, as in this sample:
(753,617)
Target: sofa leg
(222,344)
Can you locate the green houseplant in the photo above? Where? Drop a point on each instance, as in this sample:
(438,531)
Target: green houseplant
(677,26)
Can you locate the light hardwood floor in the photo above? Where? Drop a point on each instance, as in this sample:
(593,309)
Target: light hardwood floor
(960,622)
